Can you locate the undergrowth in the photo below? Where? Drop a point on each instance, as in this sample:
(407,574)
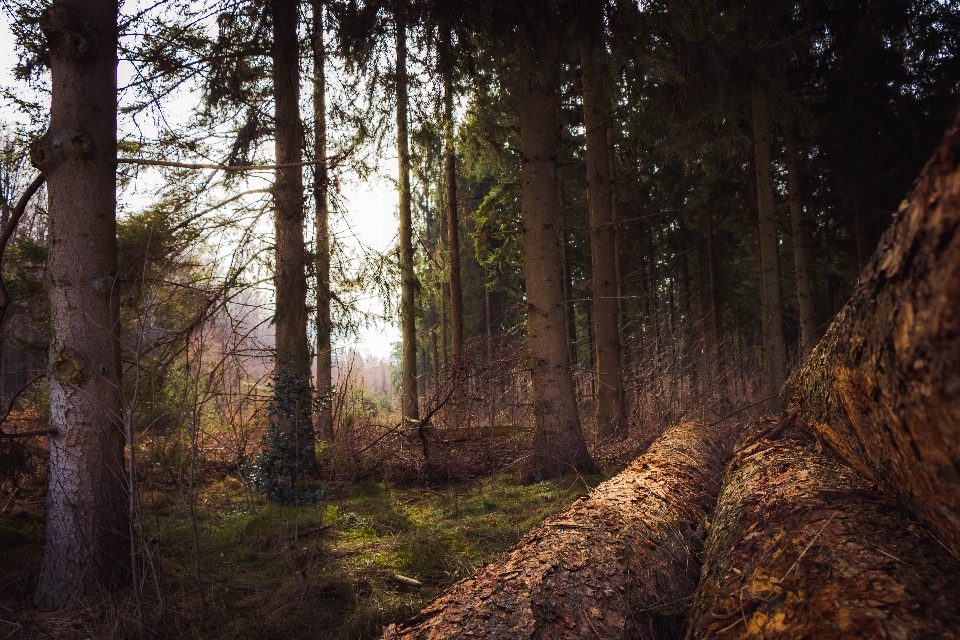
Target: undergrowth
(267,571)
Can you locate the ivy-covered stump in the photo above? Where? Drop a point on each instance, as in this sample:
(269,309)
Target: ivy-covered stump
(620,563)
(883,386)
(804,546)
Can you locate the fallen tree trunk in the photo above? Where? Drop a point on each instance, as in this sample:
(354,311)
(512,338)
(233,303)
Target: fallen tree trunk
(883,386)
(619,563)
(804,546)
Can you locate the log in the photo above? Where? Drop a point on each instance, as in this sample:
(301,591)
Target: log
(619,563)
(804,546)
(883,386)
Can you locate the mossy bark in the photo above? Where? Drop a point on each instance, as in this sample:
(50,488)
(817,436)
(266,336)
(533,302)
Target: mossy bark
(804,546)
(619,563)
(883,386)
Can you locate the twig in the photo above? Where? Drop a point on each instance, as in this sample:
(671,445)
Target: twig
(743,408)
(807,548)
(13,400)
(7,232)
(332,160)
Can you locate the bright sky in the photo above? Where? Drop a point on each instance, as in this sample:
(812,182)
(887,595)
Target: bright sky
(371,206)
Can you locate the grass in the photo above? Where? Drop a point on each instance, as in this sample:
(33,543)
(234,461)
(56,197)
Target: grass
(274,572)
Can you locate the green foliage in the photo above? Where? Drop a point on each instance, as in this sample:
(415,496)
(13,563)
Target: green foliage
(282,468)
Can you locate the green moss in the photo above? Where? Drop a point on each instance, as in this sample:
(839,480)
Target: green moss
(267,571)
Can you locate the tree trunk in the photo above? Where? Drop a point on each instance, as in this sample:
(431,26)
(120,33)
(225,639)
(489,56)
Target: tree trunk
(322,224)
(618,563)
(558,445)
(803,546)
(801,247)
(881,386)
(88,543)
(610,412)
(453,222)
(408,279)
(771,312)
(292,361)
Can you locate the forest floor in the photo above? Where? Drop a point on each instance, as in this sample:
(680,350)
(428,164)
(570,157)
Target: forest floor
(323,571)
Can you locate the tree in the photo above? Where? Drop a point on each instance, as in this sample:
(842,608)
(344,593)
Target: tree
(408,279)
(292,360)
(558,445)
(88,543)
(771,313)
(450,185)
(322,222)
(611,410)
(801,246)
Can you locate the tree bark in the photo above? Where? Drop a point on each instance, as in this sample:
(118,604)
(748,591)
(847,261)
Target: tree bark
(801,248)
(618,563)
(803,546)
(88,544)
(408,279)
(292,360)
(881,386)
(324,424)
(774,355)
(610,411)
(453,222)
(558,444)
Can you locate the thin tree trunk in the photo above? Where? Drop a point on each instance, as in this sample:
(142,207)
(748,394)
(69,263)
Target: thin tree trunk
(322,224)
(618,563)
(801,247)
(558,444)
(569,310)
(610,412)
(803,546)
(88,543)
(881,386)
(408,282)
(715,310)
(774,356)
(292,361)
(453,222)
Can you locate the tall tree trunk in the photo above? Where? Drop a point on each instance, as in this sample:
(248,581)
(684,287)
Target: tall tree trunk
(292,362)
(715,310)
(322,224)
(801,247)
(408,279)
(610,415)
(558,444)
(569,308)
(88,544)
(453,222)
(881,386)
(774,356)
(618,563)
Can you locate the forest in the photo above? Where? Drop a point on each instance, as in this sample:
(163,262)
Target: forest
(671,290)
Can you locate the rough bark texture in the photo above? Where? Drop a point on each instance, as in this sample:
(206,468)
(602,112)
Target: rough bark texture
(619,563)
(408,279)
(453,220)
(774,361)
(801,248)
(290,280)
(803,546)
(324,424)
(611,410)
(558,445)
(883,385)
(87,535)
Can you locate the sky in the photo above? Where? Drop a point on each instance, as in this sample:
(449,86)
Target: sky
(370,207)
